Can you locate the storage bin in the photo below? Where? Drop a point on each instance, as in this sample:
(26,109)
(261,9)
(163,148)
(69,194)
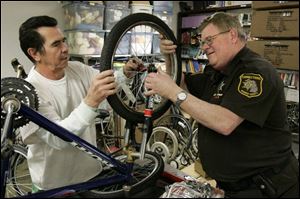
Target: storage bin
(165,16)
(84,16)
(124,45)
(161,6)
(113,15)
(85,42)
(117,4)
(141,43)
(155,43)
(136,8)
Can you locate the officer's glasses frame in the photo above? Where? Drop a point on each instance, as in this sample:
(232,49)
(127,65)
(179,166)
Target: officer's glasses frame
(210,39)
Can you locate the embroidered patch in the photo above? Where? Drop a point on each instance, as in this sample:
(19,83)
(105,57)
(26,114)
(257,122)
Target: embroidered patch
(250,85)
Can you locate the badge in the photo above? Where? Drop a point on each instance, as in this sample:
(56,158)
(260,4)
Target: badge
(250,85)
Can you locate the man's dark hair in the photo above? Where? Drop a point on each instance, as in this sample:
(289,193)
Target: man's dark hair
(30,38)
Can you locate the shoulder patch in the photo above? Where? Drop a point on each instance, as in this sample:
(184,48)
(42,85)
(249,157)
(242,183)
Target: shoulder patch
(250,85)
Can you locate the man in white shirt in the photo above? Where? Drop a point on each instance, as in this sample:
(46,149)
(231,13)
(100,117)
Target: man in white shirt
(69,94)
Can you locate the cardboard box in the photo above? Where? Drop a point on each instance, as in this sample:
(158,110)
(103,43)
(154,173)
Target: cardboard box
(274,4)
(281,53)
(283,23)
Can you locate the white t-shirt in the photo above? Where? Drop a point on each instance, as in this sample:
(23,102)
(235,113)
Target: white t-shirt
(53,162)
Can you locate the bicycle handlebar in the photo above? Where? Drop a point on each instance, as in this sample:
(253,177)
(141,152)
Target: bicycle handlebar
(19,69)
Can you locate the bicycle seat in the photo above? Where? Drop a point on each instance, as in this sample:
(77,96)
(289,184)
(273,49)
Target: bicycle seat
(102,114)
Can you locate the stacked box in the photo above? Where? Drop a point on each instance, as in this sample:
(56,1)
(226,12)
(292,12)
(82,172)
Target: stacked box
(85,42)
(165,16)
(280,23)
(117,4)
(163,6)
(144,8)
(155,44)
(124,45)
(83,16)
(275,27)
(141,43)
(281,53)
(113,15)
(257,5)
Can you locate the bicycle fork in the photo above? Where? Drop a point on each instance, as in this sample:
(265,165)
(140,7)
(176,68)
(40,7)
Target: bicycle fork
(148,125)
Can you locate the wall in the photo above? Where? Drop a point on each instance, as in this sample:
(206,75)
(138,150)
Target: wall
(13,14)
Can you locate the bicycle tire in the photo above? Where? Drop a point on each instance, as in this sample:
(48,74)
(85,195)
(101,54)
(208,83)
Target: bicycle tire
(163,132)
(112,41)
(155,165)
(19,182)
(179,124)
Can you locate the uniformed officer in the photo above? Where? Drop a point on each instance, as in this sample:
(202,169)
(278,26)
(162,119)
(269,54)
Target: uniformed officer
(239,103)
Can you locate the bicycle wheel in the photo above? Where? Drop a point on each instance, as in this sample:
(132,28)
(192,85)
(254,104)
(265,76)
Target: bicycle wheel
(179,124)
(143,176)
(140,30)
(163,142)
(19,182)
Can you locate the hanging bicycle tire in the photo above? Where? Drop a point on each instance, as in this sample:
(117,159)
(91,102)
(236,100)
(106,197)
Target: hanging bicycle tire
(142,32)
(144,175)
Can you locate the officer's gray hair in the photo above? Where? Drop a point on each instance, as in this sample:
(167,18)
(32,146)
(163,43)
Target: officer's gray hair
(224,22)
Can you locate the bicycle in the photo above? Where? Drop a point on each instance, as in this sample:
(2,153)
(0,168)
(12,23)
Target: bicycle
(19,180)
(126,171)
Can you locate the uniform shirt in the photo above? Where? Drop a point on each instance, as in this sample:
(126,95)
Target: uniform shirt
(251,88)
(53,162)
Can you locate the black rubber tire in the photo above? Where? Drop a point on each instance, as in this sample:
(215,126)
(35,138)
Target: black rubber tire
(108,52)
(116,191)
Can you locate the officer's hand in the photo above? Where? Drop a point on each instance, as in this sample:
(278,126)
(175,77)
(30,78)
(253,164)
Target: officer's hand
(160,83)
(166,46)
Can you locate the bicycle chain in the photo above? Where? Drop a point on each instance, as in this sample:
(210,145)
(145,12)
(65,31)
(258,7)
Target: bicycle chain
(21,90)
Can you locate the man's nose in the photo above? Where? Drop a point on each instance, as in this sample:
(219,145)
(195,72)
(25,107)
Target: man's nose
(204,47)
(65,47)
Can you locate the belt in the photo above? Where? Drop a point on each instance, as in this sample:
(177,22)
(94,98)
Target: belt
(235,186)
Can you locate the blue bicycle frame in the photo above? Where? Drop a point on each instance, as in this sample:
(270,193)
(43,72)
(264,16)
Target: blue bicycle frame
(124,169)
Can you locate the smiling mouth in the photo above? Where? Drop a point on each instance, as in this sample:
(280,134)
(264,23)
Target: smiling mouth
(209,53)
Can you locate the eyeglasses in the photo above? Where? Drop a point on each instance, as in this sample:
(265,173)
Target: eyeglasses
(209,40)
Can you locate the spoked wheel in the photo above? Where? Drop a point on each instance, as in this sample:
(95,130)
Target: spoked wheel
(179,124)
(163,142)
(145,173)
(293,116)
(19,181)
(139,30)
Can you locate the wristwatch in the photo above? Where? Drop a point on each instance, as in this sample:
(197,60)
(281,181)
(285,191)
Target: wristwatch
(181,96)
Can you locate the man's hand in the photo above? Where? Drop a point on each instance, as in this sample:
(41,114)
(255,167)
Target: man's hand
(103,85)
(134,64)
(162,84)
(166,46)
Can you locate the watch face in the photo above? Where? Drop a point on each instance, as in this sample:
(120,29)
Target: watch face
(181,96)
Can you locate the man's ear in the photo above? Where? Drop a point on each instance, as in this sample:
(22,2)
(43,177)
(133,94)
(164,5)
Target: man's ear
(34,54)
(234,35)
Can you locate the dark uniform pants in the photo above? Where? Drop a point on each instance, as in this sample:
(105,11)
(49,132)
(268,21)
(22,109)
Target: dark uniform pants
(284,184)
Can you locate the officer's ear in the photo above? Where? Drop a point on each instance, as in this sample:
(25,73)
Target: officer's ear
(233,35)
